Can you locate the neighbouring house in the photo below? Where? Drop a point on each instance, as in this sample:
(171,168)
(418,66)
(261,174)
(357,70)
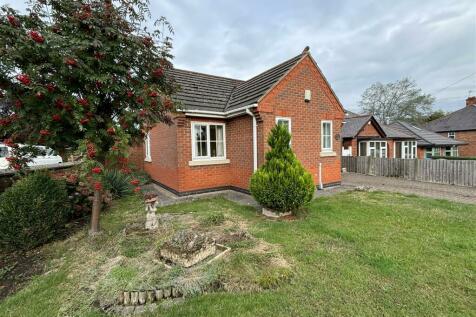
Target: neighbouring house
(428,143)
(219,137)
(459,125)
(363,135)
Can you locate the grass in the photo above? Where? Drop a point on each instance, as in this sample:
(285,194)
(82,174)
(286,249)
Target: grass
(353,254)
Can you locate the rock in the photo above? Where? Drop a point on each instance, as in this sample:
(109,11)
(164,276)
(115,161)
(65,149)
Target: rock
(150,296)
(128,311)
(127,298)
(159,294)
(187,248)
(167,292)
(175,292)
(142,297)
(134,298)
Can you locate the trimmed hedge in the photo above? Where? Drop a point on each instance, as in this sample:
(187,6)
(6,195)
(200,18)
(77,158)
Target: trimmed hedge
(32,211)
(281,184)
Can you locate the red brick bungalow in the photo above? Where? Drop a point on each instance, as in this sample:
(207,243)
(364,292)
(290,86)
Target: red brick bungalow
(219,137)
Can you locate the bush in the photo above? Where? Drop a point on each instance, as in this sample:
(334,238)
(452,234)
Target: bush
(281,184)
(117,182)
(32,211)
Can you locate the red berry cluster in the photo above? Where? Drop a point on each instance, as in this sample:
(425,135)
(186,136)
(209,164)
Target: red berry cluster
(135,182)
(84,121)
(56,117)
(51,87)
(37,37)
(18,103)
(153,94)
(83,102)
(14,162)
(96,170)
(158,72)
(13,21)
(111,131)
(91,150)
(24,79)
(70,62)
(97,186)
(44,132)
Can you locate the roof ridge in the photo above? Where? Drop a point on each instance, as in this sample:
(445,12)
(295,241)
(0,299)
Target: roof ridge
(275,66)
(199,73)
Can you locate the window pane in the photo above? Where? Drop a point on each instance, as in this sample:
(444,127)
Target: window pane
(284,123)
(363,148)
(200,140)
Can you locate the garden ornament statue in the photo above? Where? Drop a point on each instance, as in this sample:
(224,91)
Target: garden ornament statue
(151,202)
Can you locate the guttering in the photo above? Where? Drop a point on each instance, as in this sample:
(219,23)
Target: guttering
(218,114)
(255,143)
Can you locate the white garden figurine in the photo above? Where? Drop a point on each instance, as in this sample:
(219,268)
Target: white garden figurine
(151,202)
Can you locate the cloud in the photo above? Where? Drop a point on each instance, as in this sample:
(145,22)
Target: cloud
(356,43)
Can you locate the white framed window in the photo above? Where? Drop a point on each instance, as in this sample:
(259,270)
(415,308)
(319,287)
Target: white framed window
(326,136)
(373,148)
(452,135)
(286,122)
(147,158)
(451,150)
(208,141)
(431,151)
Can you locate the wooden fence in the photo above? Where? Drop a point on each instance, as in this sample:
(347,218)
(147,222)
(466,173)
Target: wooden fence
(453,172)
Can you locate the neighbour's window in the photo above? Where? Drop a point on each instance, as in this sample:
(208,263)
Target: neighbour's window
(398,149)
(451,151)
(363,149)
(431,151)
(409,150)
(208,141)
(452,135)
(326,136)
(373,148)
(147,147)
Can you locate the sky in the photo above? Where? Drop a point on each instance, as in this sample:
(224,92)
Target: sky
(355,43)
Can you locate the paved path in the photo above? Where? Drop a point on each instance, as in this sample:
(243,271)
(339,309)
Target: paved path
(168,198)
(400,185)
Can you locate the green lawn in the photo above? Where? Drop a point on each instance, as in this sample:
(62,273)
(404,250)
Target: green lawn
(352,254)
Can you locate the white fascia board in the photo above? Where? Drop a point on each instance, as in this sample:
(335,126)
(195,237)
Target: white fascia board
(217,114)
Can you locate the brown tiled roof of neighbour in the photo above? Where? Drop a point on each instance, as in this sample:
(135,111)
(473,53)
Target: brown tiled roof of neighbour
(460,120)
(214,93)
(424,137)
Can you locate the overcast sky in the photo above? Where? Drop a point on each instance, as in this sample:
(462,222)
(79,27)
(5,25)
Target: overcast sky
(356,43)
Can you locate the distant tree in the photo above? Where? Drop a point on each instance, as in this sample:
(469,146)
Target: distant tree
(400,100)
(83,75)
(434,116)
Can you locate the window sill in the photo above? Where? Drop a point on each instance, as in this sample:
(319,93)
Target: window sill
(328,154)
(208,162)
(148,159)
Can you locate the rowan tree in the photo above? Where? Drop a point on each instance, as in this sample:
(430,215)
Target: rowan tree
(85,76)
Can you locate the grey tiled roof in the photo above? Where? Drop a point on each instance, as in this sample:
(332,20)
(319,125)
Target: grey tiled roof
(424,137)
(214,93)
(201,91)
(461,120)
(393,133)
(251,90)
(353,125)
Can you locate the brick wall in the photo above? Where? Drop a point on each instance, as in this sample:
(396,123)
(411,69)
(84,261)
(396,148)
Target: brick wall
(163,152)
(467,136)
(286,99)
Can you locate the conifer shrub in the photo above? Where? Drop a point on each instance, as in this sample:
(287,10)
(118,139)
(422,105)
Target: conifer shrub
(282,183)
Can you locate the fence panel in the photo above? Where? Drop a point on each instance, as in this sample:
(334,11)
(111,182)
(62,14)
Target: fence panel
(453,172)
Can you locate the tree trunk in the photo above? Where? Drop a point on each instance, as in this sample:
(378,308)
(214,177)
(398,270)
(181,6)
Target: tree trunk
(95,212)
